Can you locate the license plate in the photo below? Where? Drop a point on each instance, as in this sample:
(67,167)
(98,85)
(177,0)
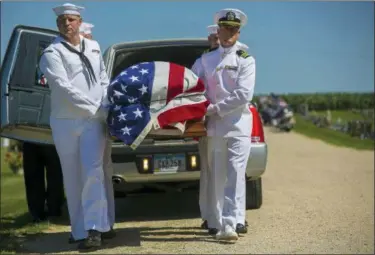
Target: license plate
(169,163)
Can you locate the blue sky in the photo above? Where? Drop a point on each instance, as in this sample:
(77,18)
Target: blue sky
(298,46)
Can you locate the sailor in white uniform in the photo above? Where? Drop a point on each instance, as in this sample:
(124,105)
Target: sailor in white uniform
(78,81)
(204,205)
(229,73)
(85,30)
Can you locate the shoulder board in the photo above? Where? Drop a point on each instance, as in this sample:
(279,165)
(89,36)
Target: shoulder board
(242,54)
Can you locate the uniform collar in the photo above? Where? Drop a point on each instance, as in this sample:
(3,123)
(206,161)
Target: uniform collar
(226,51)
(61,39)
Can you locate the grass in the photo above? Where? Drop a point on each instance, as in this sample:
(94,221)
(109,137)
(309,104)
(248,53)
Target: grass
(330,136)
(15,220)
(343,115)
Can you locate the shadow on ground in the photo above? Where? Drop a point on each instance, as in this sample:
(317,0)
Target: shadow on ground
(11,223)
(125,237)
(138,208)
(10,239)
(152,207)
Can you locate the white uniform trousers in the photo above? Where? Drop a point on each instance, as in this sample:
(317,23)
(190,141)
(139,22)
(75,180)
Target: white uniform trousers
(108,173)
(227,159)
(80,144)
(203,185)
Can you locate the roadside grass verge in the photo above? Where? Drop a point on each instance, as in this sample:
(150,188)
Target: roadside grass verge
(330,136)
(15,220)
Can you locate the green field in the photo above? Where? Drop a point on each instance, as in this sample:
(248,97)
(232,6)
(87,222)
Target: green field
(332,101)
(15,221)
(334,137)
(343,115)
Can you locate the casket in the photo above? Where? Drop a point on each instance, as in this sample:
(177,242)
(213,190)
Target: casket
(193,128)
(156,99)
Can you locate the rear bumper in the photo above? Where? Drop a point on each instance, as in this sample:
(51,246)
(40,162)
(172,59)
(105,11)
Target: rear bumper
(257,163)
(127,172)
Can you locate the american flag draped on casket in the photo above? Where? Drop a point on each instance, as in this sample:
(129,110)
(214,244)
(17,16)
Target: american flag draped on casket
(152,96)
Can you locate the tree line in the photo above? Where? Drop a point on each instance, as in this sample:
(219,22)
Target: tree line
(328,101)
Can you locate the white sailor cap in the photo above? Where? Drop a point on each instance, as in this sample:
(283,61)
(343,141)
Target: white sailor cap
(230,17)
(212,29)
(68,9)
(86,28)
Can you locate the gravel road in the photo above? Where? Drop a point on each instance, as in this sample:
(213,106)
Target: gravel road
(317,199)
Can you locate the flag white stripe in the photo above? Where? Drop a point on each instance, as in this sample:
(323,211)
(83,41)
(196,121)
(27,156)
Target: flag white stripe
(190,79)
(160,86)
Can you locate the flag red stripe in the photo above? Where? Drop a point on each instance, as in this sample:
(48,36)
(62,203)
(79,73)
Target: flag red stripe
(182,113)
(175,81)
(198,88)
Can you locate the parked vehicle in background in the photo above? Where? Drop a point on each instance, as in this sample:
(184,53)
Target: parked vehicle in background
(276,112)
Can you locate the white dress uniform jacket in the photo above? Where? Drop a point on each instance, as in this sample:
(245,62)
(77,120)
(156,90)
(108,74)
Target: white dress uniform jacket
(197,66)
(79,132)
(74,95)
(230,81)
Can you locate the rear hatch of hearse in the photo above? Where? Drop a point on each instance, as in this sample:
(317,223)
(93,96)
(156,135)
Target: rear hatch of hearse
(120,56)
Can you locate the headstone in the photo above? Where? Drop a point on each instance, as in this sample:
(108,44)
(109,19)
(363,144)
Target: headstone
(304,109)
(5,142)
(328,119)
(329,116)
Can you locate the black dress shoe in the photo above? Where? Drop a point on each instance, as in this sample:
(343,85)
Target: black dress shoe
(212,231)
(204,225)
(241,229)
(109,234)
(93,240)
(71,240)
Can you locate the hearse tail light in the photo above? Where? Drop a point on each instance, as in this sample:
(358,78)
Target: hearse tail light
(145,164)
(193,161)
(257,135)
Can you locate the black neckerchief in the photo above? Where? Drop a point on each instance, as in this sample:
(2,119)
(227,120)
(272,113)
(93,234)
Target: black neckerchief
(84,59)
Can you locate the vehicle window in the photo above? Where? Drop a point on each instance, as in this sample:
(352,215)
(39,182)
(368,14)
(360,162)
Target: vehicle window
(40,79)
(182,55)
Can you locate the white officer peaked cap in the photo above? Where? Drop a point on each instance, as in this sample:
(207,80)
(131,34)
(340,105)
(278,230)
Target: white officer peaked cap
(212,29)
(86,28)
(230,17)
(68,9)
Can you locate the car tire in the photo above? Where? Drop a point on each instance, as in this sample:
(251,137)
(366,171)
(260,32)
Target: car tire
(254,197)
